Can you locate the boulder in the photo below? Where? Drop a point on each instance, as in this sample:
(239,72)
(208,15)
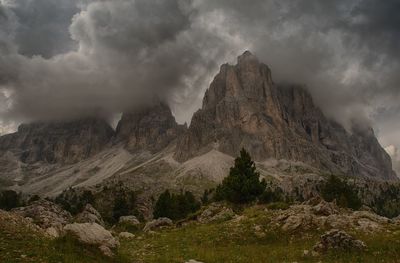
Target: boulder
(92,234)
(157,223)
(89,215)
(130,220)
(337,239)
(193,261)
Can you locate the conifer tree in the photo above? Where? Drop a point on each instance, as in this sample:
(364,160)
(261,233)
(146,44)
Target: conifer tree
(242,185)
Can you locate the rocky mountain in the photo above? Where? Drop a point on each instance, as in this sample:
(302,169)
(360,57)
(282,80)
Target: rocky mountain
(149,128)
(284,131)
(57,142)
(244,108)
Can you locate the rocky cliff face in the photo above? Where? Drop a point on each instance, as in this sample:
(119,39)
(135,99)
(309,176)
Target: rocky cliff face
(57,142)
(244,108)
(148,128)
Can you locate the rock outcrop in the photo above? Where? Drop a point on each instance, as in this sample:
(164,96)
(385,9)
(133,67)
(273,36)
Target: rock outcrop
(149,128)
(57,142)
(46,215)
(337,239)
(244,108)
(328,215)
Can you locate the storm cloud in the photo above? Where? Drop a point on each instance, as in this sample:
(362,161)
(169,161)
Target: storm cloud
(63,59)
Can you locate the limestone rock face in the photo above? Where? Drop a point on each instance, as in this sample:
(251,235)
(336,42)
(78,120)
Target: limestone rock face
(244,108)
(56,142)
(148,128)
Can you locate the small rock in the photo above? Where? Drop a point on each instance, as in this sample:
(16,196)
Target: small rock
(131,220)
(52,232)
(157,223)
(106,251)
(126,235)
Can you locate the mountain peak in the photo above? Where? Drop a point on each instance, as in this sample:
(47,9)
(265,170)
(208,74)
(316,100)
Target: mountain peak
(247,56)
(244,108)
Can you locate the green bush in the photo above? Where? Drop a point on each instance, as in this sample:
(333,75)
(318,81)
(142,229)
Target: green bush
(175,206)
(242,185)
(339,190)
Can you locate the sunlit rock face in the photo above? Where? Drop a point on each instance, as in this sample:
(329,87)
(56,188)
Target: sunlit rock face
(244,108)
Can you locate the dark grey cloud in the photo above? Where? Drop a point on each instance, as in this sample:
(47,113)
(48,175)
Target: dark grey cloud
(68,58)
(43,26)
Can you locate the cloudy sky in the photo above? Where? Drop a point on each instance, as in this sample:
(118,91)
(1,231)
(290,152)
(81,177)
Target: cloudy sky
(69,58)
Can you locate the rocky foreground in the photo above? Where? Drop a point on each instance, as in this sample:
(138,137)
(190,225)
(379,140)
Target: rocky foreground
(314,231)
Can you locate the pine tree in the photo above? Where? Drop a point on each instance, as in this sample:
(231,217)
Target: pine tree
(242,185)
